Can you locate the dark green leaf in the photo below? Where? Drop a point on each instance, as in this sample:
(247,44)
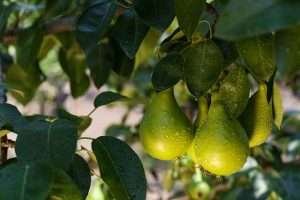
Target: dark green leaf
(156,13)
(81,122)
(205,24)
(10,118)
(93,23)
(120,168)
(28,45)
(100,61)
(243,19)
(23,82)
(288,51)
(129,31)
(123,65)
(49,141)
(203,63)
(118,130)
(105,98)
(63,188)
(188,13)
(25,182)
(79,171)
(167,72)
(4,14)
(73,63)
(56,7)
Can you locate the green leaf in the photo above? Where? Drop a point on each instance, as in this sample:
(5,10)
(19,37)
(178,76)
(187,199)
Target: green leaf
(108,97)
(25,181)
(56,7)
(10,118)
(56,142)
(28,45)
(156,13)
(100,61)
(167,72)
(129,31)
(120,168)
(63,188)
(243,19)
(23,82)
(5,11)
(93,23)
(81,122)
(288,51)
(259,54)
(203,63)
(79,171)
(118,130)
(188,13)
(73,64)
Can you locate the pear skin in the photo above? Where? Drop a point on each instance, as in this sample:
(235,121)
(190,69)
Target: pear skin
(165,131)
(257,118)
(221,144)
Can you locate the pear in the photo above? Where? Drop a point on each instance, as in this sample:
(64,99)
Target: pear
(221,144)
(259,56)
(257,118)
(200,120)
(277,106)
(165,131)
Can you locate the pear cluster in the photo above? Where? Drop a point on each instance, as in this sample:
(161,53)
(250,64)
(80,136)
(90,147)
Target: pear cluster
(230,121)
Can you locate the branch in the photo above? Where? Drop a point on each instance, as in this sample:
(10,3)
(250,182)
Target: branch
(65,24)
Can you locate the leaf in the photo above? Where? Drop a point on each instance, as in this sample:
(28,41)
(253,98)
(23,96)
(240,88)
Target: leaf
(287,52)
(100,61)
(118,130)
(73,64)
(23,82)
(56,7)
(81,122)
(120,168)
(108,97)
(79,171)
(129,31)
(48,141)
(188,13)
(93,23)
(5,11)
(25,181)
(63,188)
(28,45)
(167,72)
(203,63)
(156,13)
(123,65)
(10,118)
(243,19)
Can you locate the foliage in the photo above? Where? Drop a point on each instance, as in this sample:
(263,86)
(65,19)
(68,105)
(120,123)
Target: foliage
(137,48)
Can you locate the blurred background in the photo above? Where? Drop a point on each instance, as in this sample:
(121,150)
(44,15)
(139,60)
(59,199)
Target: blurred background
(272,171)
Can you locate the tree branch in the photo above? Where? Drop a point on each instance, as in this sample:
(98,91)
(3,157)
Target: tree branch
(65,24)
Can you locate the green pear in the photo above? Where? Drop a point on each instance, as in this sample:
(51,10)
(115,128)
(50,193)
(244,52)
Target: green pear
(277,106)
(221,144)
(165,131)
(257,118)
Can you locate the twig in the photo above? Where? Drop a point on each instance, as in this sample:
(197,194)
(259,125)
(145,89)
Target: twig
(65,24)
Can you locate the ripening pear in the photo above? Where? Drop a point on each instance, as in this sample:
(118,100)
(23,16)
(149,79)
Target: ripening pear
(200,120)
(221,144)
(165,131)
(259,56)
(277,106)
(257,118)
